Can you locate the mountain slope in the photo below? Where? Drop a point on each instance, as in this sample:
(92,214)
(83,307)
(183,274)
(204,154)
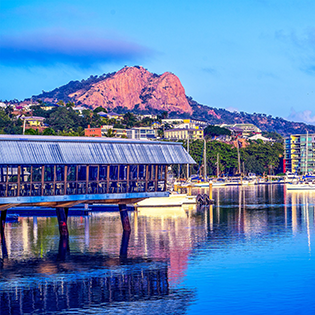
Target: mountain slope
(140,91)
(129,88)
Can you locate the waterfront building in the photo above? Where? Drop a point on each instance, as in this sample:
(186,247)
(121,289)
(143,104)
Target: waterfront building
(48,107)
(104,130)
(92,132)
(191,122)
(260,137)
(34,121)
(184,133)
(299,153)
(142,133)
(113,115)
(51,170)
(244,130)
(62,172)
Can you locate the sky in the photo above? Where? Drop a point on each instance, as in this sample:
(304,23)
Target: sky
(241,55)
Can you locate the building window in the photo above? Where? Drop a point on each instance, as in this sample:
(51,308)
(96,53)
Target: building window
(103,172)
(81,172)
(71,173)
(113,172)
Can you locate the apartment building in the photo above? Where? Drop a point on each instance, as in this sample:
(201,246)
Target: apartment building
(184,133)
(244,130)
(299,153)
(141,133)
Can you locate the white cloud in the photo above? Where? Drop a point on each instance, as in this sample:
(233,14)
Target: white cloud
(305,116)
(232,109)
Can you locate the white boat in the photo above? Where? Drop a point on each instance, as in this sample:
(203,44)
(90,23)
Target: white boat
(173,200)
(215,183)
(291,177)
(304,185)
(234,181)
(249,180)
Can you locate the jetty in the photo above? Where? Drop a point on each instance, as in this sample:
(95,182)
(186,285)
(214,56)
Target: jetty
(62,172)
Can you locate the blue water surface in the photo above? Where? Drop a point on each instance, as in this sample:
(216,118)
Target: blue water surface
(250,253)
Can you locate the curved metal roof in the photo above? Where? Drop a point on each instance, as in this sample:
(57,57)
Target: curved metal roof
(17,149)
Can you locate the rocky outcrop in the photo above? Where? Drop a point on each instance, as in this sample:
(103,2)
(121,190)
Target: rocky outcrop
(135,87)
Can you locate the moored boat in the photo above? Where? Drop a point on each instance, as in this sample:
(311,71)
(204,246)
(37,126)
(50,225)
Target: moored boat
(302,185)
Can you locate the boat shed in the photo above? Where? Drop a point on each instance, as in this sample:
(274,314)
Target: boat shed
(64,171)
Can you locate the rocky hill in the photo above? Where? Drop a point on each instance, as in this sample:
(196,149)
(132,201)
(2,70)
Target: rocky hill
(140,91)
(131,88)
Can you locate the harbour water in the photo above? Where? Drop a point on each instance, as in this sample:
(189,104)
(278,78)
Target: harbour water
(252,252)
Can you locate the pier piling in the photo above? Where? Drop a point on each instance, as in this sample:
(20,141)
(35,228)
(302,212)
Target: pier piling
(62,215)
(210,191)
(3,217)
(124,217)
(124,245)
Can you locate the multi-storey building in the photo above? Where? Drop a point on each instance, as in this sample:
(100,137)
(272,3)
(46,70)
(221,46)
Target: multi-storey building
(178,134)
(142,133)
(299,153)
(242,129)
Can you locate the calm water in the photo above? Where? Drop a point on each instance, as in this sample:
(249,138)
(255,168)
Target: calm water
(250,253)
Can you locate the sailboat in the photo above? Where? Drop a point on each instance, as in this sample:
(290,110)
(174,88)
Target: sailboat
(215,182)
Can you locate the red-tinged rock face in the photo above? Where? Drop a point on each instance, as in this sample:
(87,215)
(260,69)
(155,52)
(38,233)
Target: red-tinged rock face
(135,86)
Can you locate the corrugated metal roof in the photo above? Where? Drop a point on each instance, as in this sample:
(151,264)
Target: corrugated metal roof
(17,149)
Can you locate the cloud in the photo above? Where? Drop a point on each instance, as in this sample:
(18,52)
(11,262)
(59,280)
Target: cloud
(302,48)
(305,116)
(210,70)
(232,109)
(61,47)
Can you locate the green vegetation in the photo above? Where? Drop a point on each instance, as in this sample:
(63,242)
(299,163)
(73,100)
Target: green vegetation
(212,131)
(8,123)
(65,121)
(259,158)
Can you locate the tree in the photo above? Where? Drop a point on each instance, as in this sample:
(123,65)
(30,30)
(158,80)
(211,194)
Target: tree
(99,109)
(110,133)
(70,104)
(129,120)
(61,103)
(49,132)
(212,131)
(65,119)
(31,132)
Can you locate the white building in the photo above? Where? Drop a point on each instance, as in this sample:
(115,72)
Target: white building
(142,133)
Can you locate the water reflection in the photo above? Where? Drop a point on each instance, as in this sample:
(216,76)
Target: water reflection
(66,281)
(99,264)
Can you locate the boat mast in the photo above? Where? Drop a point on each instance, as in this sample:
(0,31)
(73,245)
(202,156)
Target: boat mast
(218,166)
(238,157)
(204,159)
(306,150)
(188,153)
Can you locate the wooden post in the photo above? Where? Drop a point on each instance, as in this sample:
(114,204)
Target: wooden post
(87,171)
(2,222)
(124,217)
(128,181)
(19,180)
(107,177)
(189,190)
(65,179)
(63,247)
(62,214)
(210,190)
(54,179)
(6,182)
(124,244)
(43,180)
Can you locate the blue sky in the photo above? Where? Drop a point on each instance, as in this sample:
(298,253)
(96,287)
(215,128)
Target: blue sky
(245,55)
